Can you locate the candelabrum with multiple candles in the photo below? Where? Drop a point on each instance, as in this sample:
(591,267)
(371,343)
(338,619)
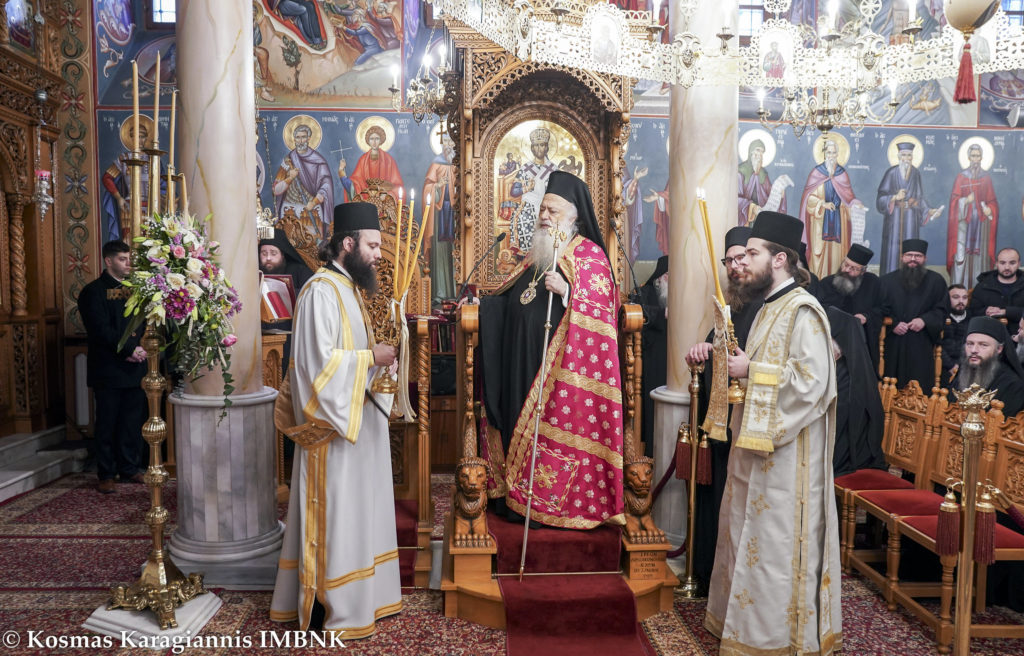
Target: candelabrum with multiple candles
(406,255)
(162,586)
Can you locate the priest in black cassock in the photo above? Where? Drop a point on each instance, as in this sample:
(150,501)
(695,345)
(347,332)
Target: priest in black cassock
(859,417)
(654,301)
(709,499)
(856,291)
(916,300)
(990,360)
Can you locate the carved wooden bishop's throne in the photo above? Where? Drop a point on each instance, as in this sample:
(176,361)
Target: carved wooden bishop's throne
(410,441)
(503,106)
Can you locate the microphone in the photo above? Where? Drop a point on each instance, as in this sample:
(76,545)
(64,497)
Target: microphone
(497,240)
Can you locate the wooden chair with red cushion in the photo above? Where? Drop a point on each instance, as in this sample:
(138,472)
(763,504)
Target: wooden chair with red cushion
(1002,462)
(906,446)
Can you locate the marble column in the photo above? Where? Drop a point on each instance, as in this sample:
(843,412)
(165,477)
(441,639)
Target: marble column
(227,513)
(702,153)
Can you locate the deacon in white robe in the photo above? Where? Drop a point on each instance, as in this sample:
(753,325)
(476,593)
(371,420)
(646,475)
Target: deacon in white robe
(775,588)
(340,545)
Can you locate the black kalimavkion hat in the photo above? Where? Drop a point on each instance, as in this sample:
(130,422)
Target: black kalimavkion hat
(782,229)
(860,254)
(349,217)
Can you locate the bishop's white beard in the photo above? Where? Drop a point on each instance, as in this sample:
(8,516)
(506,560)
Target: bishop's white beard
(542,254)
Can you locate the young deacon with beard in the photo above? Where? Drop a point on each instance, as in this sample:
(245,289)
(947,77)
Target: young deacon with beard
(916,300)
(775,584)
(744,309)
(990,361)
(856,291)
(341,509)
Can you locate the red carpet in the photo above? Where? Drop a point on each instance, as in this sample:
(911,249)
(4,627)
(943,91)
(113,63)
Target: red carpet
(555,550)
(572,616)
(580,615)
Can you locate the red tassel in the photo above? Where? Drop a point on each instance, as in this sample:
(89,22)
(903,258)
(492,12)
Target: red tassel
(947,534)
(684,453)
(704,462)
(965,79)
(985,531)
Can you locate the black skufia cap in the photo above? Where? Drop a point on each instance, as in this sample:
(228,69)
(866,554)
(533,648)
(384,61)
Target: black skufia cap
(782,229)
(915,246)
(737,236)
(349,217)
(860,254)
(994,328)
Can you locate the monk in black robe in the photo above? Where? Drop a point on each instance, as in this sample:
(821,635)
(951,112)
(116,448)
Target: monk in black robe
(859,417)
(856,291)
(990,360)
(279,257)
(916,300)
(709,498)
(654,302)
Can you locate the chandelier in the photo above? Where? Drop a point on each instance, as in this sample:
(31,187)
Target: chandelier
(829,74)
(426,94)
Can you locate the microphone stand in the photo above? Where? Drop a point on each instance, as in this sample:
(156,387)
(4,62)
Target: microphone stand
(558,235)
(634,297)
(497,240)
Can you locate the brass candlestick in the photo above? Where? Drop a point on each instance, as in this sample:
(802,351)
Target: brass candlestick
(736,392)
(154,179)
(974,400)
(162,586)
(135,161)
(690,587)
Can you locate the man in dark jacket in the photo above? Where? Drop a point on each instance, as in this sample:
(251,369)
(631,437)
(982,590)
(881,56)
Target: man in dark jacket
(955,332)
(115,375)
(999,293)
(990,360)
(856,291)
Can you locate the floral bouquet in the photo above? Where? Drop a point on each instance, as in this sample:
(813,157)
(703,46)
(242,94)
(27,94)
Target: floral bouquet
(177,285)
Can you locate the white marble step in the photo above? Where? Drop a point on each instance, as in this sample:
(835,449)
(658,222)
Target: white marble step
(22,445)
(38,469)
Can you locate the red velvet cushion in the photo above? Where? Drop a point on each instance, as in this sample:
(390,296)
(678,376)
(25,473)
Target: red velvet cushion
(903,502)
(872,479)
(1005,538)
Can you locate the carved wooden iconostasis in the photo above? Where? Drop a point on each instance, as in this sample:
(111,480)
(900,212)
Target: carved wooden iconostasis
(31,303)
(501,104)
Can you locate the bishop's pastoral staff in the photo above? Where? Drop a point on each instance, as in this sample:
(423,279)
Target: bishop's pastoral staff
(339,561)
(775,585)
(579,453)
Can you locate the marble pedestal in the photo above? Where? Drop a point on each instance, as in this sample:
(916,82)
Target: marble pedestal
(670,510)
(227,507)
(140,628)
